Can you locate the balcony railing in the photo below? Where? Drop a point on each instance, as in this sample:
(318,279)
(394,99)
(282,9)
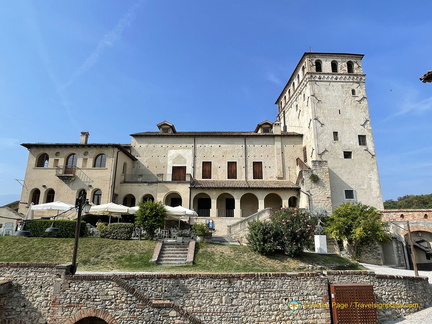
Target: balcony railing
(66,173)
(155,178)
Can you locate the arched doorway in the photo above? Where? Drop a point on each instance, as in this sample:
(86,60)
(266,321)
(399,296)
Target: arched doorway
(147,197)
(248,204)
(225,205)
(292,202)
(173,199)
(202,204)
(91,320)
(273,201)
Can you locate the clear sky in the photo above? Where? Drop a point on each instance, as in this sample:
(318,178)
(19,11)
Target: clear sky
(114,68)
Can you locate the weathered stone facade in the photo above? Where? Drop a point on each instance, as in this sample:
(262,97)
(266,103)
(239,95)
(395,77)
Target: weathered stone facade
(318,153)
(37,293)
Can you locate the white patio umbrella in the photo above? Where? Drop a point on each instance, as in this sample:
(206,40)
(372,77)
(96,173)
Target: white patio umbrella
(110,209)
(180,211)
(55,205)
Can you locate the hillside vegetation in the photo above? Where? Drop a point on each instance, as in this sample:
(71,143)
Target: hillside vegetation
(96,254)
(410,202)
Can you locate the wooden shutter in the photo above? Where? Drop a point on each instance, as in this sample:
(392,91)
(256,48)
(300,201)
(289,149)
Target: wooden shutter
(232,170)
(257,170)
(179,173)
(206,170)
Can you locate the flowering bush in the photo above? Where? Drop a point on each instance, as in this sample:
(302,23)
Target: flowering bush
(296,229)
(288,229)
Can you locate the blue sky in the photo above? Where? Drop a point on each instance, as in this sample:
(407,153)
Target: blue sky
(114,68)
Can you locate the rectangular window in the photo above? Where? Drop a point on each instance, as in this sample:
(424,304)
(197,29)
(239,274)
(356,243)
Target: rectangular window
(347,154)
(232,170)
(178,173)
(335,136)
(206,170)
(349,194)
(84,162)
(257,170)
(362,140)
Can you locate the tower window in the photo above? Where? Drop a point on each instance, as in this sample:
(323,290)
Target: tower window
(318,66)
(349,194)
(362,140)
(347,155)
(335,136)
(334,66)
(350,67)
(353,92)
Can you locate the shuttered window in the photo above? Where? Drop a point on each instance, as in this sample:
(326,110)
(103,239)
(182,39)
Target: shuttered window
(206,170)
(257,170)
(232,170)
(179,173)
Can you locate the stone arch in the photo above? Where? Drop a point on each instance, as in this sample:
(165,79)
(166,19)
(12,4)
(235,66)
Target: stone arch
(173,199)
(225,205)
(129,200)
(292,202)
(248,204)
(202,204)
(91,313)
(272,200)
(147,197)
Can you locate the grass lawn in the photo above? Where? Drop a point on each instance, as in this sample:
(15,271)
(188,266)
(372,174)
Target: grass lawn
(96,254)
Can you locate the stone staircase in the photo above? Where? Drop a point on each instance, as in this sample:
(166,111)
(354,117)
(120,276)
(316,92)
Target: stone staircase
(174,253)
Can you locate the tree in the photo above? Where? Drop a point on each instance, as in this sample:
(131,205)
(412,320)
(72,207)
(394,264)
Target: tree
(150,216)
(360,225)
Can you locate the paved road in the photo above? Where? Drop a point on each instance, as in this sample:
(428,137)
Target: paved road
(423,316)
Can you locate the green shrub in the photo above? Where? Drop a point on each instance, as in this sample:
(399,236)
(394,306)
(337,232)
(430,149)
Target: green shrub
(117,231)
(66,228)
(289,229)
(150,216)
(201,229)
(263,237)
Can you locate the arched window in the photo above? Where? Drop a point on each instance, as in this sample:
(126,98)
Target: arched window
(71,163)
(50,196)
(42,161)
(129,200)
(97,197)
(81,193)
(303,71)
(353,92)
(334,66)
(35,196)
(148,198)
(350,67)
(100,161)
(318,66)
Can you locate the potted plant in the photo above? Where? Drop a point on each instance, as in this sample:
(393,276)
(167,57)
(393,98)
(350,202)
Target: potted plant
(182,236)
(202,232)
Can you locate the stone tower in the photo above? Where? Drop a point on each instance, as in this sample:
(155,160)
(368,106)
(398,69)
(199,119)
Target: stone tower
(325,100)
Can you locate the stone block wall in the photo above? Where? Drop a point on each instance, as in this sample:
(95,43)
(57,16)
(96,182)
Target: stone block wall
(47,294)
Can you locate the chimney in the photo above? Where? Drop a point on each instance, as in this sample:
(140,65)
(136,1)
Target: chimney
(276,127)
(84,137)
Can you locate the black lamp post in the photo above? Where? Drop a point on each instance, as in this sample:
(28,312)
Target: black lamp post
(81,204)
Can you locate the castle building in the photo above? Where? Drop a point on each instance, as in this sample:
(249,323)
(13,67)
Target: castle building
(318,153)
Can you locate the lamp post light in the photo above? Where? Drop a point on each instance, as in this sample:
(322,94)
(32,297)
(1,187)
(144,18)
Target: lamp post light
(81,204)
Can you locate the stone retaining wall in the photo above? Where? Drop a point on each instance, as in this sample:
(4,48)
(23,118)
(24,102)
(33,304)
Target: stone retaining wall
(41,293)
